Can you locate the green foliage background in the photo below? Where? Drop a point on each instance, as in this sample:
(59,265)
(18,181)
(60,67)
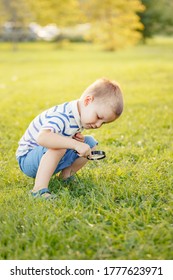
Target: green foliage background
(119,208)
(113,24)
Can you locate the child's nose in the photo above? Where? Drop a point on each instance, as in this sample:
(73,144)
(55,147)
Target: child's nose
(99,123)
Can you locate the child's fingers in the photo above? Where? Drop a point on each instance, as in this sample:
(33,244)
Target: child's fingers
(80,140)
(83,150)
(79,137)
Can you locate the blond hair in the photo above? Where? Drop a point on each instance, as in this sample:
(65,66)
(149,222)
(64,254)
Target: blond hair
(108,92)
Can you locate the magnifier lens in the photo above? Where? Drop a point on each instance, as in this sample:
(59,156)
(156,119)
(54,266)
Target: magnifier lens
(96,155)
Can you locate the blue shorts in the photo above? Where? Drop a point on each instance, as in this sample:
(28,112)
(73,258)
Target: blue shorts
(29,163)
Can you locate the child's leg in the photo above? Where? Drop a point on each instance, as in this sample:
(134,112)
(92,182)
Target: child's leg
(47,166)
(76,165)
(42,163)
(80,161)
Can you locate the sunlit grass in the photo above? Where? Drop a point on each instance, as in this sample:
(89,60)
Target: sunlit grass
(121,207)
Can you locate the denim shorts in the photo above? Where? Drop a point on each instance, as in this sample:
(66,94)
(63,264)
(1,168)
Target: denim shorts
(29,163)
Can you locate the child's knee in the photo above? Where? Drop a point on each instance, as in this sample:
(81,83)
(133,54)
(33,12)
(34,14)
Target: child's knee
(57,152)
(91,141)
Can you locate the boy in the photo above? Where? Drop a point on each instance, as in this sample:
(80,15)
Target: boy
(53,141)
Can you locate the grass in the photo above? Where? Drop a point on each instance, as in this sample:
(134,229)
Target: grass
(121,207)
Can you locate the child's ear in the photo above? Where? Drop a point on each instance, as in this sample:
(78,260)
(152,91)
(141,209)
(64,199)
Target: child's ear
(88,99)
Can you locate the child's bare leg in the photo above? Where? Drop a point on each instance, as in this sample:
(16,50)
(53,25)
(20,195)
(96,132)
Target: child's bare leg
(48,164)
(70,170)
(76,165)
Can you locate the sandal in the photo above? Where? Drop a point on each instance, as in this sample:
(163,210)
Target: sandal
(41,192)
(70,179)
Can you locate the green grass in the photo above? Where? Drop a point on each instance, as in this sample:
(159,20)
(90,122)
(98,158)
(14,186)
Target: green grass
(121,207)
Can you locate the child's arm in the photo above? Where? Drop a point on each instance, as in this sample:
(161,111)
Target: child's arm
(51,140)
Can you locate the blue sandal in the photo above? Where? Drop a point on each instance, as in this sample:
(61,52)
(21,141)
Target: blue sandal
(41,192)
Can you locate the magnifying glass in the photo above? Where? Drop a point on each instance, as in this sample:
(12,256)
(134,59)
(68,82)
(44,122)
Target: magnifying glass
(97,155)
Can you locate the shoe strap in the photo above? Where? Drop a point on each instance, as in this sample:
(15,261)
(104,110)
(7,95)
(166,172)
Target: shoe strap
(45,190)
(41,192)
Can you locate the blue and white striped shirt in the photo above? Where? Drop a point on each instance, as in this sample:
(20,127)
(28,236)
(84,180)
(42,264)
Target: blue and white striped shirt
(63,119)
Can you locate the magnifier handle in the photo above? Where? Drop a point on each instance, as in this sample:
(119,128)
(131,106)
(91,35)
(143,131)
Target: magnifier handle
(88,157)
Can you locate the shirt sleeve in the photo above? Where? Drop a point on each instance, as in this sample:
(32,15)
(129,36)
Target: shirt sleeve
(58,123)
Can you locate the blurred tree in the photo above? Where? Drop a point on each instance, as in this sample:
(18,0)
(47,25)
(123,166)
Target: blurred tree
(21,12)
(61,12)
(114,24)
(167,18)
(18,13)
(157,17)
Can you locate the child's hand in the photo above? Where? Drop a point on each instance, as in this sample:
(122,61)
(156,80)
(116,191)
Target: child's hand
(83,149)
(79,137)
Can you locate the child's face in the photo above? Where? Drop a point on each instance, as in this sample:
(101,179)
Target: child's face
(93,114)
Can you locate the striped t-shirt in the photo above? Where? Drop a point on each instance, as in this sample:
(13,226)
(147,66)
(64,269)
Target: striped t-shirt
(63,119)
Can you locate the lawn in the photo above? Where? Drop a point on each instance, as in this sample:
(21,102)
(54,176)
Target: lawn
(119,208)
